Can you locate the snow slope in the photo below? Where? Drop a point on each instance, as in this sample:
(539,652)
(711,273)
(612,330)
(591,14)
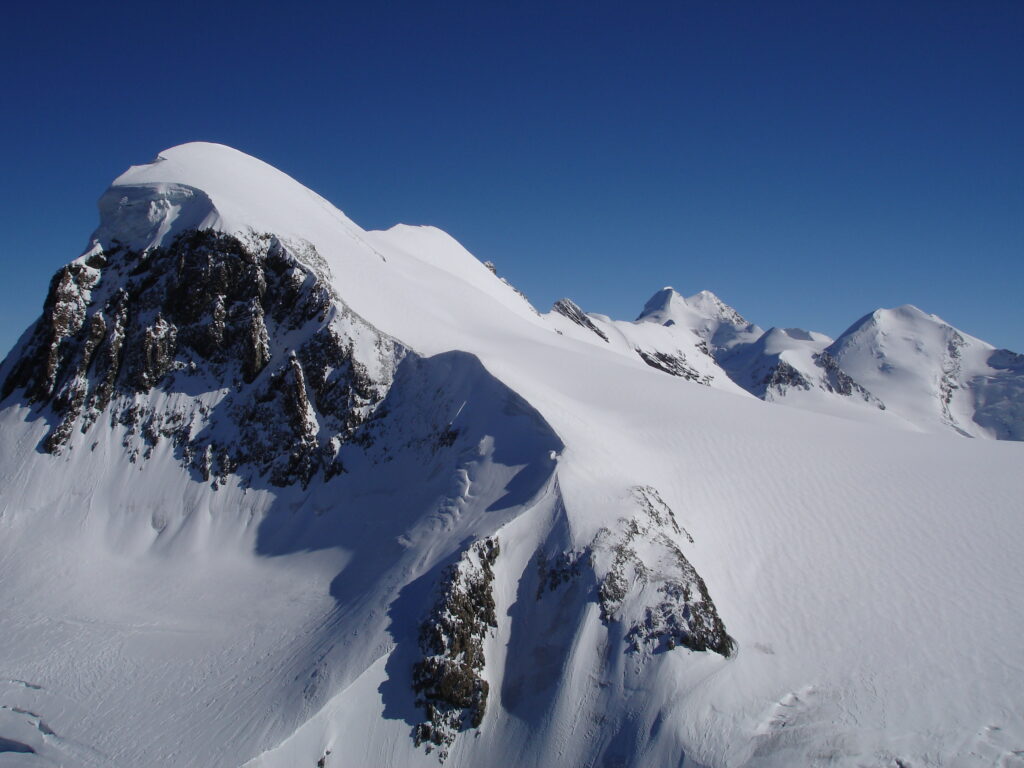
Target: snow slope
(718,324)
(898,367)
(932,373)
(674,350)
(867,578)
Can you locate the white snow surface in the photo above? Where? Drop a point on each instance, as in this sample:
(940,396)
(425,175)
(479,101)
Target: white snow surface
(721,326)
(919,365)
(682,344)
(751,365)
(870,577)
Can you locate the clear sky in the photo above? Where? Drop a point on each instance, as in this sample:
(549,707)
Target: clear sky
(807,161)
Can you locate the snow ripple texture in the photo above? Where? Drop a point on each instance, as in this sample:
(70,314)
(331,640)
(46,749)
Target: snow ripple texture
(250,448)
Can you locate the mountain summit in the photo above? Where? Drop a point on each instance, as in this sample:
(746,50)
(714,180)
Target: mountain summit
(209,186)
(933,373)
(715,322)
(324,496)
(663,306)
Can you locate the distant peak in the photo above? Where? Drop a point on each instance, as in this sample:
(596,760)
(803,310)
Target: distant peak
(708,304)
(909,310)
(704,298)
(883,320)
(667,306)
(659,305)
(903,312)
(798,334)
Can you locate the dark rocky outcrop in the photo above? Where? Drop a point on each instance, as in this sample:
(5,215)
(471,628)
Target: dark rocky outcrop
(949,382)
(55,336)
(570,309)
(644,581)
(554,572)
(673,364)
(447,679)
(642,559)
(840,382)
(206,321)
(780,377)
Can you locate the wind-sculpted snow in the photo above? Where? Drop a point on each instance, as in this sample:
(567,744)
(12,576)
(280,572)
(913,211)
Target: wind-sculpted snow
(254,485)
(145,216)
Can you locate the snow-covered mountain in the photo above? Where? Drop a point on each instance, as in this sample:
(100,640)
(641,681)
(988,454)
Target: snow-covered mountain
(678,350)
(279,491)
(720,326)
(900,367)
(935,375)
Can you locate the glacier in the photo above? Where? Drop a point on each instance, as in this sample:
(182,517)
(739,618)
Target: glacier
(281,491)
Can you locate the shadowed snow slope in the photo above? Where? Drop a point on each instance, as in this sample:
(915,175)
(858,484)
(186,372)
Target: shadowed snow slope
(355,503)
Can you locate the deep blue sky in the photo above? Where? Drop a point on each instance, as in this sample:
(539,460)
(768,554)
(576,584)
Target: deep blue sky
(808,162)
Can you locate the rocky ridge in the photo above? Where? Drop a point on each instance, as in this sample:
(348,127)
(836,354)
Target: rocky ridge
(570,309)
(260,364)
(643,581)
(671,606)
(675,364)
(447,680)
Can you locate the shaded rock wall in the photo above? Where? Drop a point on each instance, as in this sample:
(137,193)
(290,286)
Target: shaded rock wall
(208,321)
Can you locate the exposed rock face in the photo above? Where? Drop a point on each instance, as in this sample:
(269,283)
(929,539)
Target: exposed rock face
(568,308)
(781,377)
(155,354)
(205,321)
(641,557)
(53,341)
(644,581)
(769,376)
(563,568)
(674,364)
(950,380)
(840,382)
(447,680)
